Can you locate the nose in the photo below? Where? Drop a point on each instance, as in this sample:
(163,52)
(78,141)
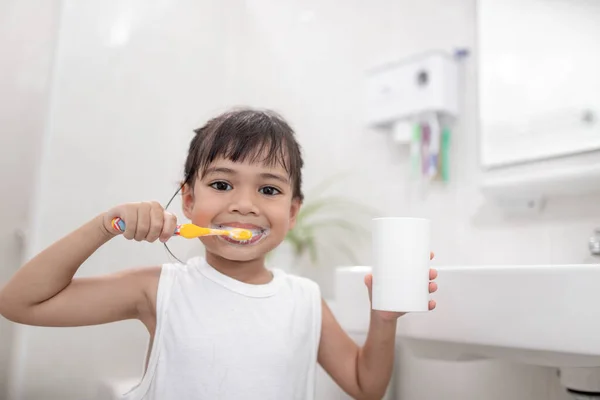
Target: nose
(244,204)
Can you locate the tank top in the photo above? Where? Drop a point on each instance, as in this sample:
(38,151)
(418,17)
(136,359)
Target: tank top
(218,338)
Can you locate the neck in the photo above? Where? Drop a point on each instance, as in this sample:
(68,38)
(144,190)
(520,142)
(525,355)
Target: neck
(252,271)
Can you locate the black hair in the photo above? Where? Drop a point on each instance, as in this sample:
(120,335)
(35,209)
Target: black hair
(240,135)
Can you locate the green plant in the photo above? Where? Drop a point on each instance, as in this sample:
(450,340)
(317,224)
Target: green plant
(328,221)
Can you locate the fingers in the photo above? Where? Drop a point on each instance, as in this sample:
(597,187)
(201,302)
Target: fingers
(431,255)
(432,304)
(143,222)
(369,283)
(432,287)
(157,218)
(432,274)
(169,226)
(130,216)
(146,221)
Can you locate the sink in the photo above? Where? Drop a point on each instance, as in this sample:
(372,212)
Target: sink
(543,315)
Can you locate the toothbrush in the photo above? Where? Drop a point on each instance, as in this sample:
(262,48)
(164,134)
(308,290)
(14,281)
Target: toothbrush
(445,153)
(190,231)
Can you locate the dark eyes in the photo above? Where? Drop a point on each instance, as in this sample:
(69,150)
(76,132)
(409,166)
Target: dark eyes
(266,190)
(221,186)
(269,191)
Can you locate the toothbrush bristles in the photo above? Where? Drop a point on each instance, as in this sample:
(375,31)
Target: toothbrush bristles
(240,234)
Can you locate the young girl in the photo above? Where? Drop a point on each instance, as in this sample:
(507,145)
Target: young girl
(222,326)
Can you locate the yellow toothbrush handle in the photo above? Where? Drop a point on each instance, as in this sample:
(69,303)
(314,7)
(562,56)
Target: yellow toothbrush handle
(191,231)
(188,231)
(119,225)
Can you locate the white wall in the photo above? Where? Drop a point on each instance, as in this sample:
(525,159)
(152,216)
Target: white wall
(133,78)
(26,50)
(311,57)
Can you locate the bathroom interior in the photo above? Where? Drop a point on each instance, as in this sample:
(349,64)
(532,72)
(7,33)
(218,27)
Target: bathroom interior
(508,90)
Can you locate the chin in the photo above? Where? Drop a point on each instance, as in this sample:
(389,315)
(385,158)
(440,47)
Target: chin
(241,255)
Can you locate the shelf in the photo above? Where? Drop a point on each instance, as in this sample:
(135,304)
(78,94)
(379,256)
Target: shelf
(528,186)
(569,181)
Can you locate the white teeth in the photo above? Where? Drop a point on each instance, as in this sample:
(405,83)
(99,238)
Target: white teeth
(257,236)
(255,232)
(262,232)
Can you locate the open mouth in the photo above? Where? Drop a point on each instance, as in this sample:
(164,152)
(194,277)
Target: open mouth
(258,234)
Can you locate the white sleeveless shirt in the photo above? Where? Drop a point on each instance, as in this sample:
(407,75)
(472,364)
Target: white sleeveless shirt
(221,339)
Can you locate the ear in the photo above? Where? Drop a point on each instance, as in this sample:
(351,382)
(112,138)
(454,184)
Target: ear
(187,200)
(294,210)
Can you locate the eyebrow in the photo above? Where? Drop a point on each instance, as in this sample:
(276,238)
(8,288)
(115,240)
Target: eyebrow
(222,170)
(229,171)
(279,178)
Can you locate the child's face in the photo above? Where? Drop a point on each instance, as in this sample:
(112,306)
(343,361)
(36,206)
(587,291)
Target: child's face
(242,195)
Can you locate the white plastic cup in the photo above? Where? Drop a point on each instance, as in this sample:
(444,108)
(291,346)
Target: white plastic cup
(401,253)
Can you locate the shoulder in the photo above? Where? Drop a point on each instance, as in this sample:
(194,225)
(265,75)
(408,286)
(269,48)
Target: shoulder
(150,278)
(169,271)
(144,279)
(138,278)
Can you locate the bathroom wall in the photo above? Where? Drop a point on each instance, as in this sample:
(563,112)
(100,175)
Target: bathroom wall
(309,59)
(127,90)
(24,77)
(133,78)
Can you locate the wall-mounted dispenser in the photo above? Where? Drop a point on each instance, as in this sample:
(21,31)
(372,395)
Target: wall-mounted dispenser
(416,101)
(423,84)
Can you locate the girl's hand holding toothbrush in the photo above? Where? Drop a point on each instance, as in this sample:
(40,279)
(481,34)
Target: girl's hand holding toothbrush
(146,221)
